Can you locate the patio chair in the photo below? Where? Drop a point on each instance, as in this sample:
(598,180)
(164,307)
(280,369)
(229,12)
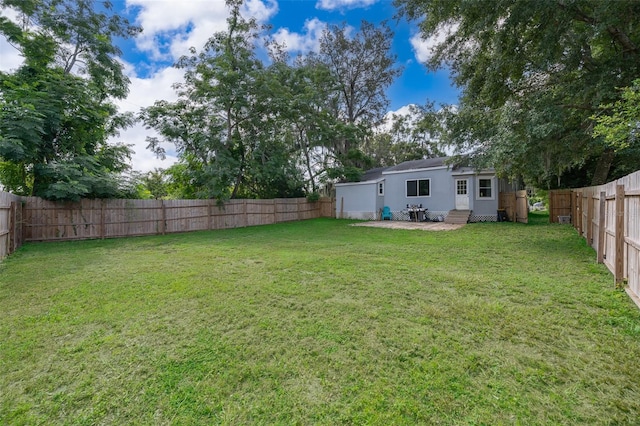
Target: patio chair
(386,213)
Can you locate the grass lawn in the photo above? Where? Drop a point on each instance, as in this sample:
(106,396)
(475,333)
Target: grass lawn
(319,322)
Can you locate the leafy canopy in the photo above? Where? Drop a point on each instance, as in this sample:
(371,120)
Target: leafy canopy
(246,128)
(532,75)
(56,110)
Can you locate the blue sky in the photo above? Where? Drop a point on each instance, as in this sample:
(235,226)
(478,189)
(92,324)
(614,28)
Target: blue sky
(172,26)
(416,83)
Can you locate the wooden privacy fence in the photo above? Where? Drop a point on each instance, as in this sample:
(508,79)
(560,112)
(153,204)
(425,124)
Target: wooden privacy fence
(516,205)
(560,205)
(35,219)
(10,223)
(608,217)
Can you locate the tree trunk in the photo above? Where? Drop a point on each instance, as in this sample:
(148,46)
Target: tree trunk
(602,168)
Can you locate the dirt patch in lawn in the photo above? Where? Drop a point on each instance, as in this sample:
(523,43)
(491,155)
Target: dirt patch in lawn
(398,224)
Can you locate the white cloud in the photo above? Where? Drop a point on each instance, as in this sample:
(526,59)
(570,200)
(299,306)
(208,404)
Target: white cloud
(343,4)
(10,57)
(171,28)
(144,92)
(306,41)
(424,48)
(389,117)
(261,10)
(143,160)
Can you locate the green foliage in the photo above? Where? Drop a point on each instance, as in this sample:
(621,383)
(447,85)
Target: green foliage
(362,67)
(313,197)
(224,124)
(411,137)
(155,182)
(245,129)
(532,74)
(619,123)
(55,112)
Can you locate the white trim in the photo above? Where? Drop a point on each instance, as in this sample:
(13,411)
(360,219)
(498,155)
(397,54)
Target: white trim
(466,197)
(380,188)
(417,188)
(493,188)
(395,172)
(475,173)
(366,182)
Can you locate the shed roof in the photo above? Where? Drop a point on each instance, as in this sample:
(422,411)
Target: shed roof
(425,163)
(373,174)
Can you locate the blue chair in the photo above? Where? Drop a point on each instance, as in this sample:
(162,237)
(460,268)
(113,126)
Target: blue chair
(386,213)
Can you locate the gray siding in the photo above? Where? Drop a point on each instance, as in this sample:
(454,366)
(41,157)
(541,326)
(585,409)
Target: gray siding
(440,199)
(361,200)
(485,208)
(357,200)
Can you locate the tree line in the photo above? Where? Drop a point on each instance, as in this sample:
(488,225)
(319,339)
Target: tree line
(547,96)
(536,78)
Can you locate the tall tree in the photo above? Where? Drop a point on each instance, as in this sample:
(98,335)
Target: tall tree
(408,136)
(56,110)
(224,122)
(532,75)
(362,67)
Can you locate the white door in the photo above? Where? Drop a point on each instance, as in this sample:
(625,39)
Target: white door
(462,194)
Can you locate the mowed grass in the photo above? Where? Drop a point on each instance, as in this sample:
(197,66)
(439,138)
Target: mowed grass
(319,322)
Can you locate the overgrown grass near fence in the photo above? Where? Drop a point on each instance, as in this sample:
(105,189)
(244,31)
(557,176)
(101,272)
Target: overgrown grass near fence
(318,322)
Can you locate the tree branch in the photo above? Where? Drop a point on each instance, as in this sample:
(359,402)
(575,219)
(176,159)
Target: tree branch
(616,33)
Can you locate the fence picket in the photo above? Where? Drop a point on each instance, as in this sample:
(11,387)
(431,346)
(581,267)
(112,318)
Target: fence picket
(617,218)
(42,220)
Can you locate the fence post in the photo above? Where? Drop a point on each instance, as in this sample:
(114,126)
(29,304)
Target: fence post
(275,211)
(11,240)
(601,224)
(619,266)
(163,218)
(102,231)
(590,208)
(579,212)
(210,211)
(24,221)
(245,216)
(574,209)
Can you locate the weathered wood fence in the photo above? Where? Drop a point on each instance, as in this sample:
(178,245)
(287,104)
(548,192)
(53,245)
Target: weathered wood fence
(516,205)
(608,217)
(10,223)
(34,219)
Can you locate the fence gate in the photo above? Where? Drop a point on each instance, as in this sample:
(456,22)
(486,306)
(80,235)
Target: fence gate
(516,205)
(560,207)
(522,207)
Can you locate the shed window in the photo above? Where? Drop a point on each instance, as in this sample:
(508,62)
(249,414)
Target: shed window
(419,188)
(485,188)
(380,188)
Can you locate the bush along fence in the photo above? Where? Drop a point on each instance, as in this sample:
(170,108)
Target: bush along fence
(608,217)
(34,219)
